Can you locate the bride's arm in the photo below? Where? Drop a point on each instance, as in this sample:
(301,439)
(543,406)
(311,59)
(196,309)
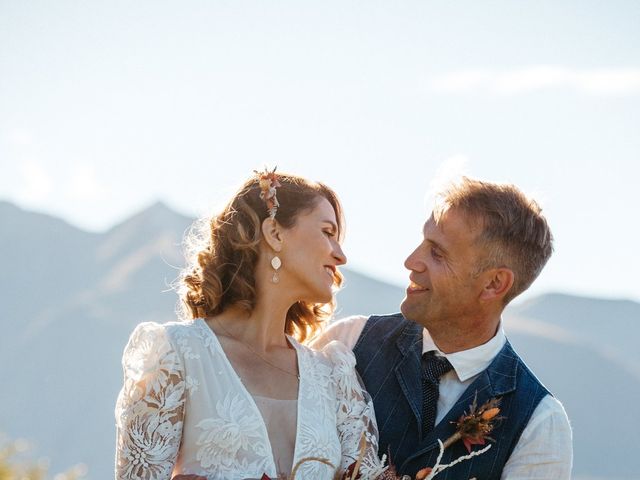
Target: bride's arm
(150,407)
(356,421)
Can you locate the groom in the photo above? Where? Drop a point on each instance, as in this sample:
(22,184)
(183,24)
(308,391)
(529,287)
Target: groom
(483,245)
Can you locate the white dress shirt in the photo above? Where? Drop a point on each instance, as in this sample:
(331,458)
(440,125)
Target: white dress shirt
(544,450)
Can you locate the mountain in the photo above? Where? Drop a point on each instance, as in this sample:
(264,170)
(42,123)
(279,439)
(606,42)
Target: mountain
(71,298)
(579,348)
(612,327)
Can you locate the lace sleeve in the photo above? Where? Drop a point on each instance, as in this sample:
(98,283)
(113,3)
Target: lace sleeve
(150,407)
(355,414)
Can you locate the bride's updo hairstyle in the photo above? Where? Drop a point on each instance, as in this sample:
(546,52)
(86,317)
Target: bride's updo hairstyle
(222,253)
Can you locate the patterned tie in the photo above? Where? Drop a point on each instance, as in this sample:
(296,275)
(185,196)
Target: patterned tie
(433,367)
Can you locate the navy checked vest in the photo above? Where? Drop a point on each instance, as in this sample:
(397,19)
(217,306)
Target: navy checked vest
(388,355)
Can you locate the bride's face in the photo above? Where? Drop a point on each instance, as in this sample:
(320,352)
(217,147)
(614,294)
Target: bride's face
(311,254)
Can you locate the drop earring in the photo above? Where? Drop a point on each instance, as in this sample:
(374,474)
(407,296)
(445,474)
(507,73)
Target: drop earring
(276,263)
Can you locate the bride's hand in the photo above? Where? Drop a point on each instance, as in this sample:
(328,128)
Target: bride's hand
(189,477)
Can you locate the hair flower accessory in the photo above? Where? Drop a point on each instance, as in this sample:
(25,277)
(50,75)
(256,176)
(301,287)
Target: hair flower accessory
(268,181)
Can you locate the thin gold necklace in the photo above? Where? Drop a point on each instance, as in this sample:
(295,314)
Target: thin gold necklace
(254,352)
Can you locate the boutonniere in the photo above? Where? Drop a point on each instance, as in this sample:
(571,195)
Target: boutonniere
(473,428)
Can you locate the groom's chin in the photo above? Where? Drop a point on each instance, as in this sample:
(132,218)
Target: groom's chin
(406,309)
(412,310)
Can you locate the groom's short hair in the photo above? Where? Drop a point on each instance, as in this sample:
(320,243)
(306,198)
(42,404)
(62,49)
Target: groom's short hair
(513,232)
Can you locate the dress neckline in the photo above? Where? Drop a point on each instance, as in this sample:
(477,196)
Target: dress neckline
(250,398)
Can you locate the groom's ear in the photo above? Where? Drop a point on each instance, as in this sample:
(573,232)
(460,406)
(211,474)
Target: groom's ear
(498,282)
(272,234)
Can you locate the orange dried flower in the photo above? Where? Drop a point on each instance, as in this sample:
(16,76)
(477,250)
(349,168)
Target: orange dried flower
(422,474)
(489,414)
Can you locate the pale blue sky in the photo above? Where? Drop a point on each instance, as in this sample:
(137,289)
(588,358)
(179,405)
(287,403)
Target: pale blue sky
(106,107)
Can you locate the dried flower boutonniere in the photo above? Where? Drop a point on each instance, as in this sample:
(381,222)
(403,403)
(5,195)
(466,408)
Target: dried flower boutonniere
(472,428)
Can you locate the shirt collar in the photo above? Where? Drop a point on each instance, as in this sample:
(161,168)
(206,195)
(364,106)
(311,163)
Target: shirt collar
(468,363)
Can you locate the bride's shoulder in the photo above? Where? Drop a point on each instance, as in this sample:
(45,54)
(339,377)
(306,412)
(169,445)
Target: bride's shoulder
(169,331)
(181,341)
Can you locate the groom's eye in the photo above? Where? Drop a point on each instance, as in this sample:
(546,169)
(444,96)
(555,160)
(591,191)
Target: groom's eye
(435,254)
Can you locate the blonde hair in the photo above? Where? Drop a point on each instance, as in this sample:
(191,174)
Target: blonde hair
(223,251)
(514,233)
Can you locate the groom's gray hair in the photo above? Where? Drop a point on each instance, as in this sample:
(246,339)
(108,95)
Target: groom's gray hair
(513,232)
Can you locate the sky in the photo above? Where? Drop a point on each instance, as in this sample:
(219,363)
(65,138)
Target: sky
(107,107)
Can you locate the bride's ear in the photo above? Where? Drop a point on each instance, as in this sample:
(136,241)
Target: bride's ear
(272,233)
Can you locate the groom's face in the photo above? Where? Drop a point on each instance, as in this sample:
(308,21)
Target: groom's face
(443,291)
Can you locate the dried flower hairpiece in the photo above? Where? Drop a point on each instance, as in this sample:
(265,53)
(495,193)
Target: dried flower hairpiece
(268,181)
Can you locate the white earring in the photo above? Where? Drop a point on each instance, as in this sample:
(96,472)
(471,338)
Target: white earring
(276,263)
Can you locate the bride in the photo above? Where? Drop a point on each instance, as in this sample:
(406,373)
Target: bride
(231,392)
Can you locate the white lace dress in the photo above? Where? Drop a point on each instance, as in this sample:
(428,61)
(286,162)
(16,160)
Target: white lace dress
(183,409)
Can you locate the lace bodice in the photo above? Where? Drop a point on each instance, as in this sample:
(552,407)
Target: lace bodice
(183,409)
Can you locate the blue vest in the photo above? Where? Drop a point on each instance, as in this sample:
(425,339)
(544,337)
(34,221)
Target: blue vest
(388,353)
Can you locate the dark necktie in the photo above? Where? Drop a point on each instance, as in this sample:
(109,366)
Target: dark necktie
(433,367)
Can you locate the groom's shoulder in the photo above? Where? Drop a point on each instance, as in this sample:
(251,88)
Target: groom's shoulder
(384,327)
(390,320)
(524,372)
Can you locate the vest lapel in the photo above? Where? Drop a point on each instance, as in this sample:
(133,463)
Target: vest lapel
(409,369)
(498,379)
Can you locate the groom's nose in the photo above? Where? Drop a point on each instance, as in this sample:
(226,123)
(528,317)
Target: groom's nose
(414,261)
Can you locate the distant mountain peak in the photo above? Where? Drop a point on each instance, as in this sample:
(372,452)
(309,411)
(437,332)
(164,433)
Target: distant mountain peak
(156,220)
(155,217)
(160,207)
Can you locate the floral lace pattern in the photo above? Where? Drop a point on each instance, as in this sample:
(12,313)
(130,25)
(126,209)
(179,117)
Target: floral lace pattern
(181,366)
(225,435)
(150,407)
(355,414)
